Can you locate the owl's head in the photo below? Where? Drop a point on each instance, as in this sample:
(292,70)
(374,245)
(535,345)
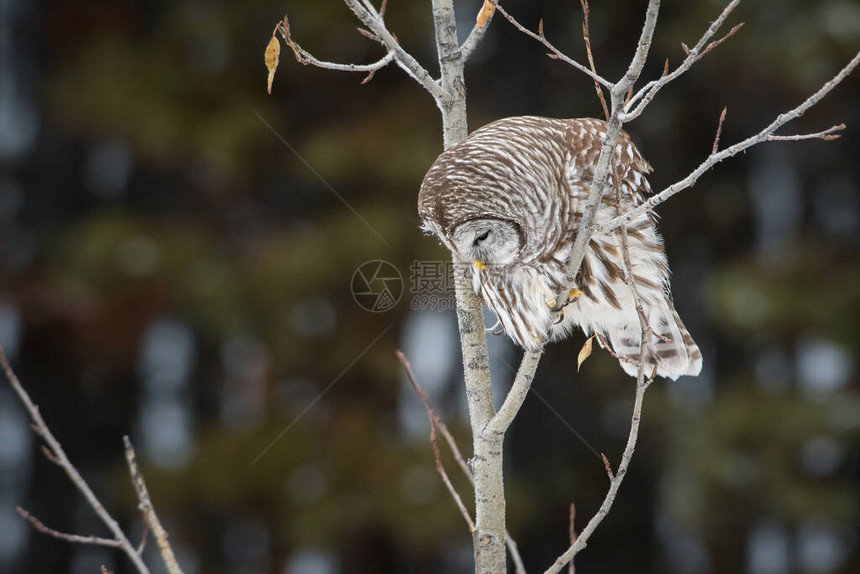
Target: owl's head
(487,242)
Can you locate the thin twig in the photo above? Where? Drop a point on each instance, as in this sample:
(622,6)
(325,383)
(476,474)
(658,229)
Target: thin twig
(571,569)
(605,345)
(75,538)
(306,58)
(436,423)
(403,58)
(146,507)
(607,149)
(827,135)
(50,456)
(716,145)
(143,537)
(556,54)
(434,419)
(614,484)
(608,467)
(586,36)
(60,458)
(629,279)
(641,386)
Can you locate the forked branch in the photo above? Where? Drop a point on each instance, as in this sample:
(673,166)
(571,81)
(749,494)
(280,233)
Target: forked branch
(55,453)
(766,134)
(704,46)
(306,58)
(58,456)
(437,423)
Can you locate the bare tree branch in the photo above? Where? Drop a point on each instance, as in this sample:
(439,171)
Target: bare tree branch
(716,145)
(827,135)
(586,36)
(434,422)
(607,149)
(60,458)
(306,58)
(405,60)
(571,532)
(615,483)
(488,539)
(702,47)
(475,36)
(146,507)
(437,423)
(766,134)
(74,538)
(644,341)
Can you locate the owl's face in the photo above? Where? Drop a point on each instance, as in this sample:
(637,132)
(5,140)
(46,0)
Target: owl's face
(487,242)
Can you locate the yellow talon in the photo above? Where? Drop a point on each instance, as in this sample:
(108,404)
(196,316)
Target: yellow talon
(574,293)
(479,264)
(550,303)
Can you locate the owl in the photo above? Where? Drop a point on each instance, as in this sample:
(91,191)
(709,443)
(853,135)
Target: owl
(507,202)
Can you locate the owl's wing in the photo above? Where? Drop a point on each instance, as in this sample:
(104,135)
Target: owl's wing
(607,306)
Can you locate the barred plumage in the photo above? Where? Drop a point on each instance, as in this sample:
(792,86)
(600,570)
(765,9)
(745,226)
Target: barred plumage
(508,200)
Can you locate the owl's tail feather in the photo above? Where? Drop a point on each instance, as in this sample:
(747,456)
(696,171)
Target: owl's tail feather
(673,350)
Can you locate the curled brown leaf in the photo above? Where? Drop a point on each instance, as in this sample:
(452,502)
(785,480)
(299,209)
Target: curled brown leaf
(273,54)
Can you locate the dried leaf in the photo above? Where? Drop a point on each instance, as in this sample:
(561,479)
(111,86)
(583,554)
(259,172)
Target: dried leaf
(273,53)
(584,353)
(486,11)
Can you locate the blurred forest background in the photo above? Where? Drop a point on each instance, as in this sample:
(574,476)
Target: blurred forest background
(171,270)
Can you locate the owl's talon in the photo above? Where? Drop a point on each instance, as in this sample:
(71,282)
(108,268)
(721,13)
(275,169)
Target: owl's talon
(572,296)
(560,317)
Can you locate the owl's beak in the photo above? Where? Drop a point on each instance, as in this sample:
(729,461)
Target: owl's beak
(479,264)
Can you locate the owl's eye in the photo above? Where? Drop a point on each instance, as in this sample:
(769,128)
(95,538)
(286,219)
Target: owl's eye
(482,237)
